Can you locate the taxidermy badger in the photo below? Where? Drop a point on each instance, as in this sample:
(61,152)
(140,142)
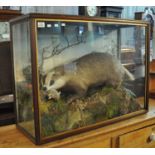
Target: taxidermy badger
(94,69)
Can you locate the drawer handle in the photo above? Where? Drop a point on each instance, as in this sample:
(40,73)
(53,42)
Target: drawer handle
(151,138)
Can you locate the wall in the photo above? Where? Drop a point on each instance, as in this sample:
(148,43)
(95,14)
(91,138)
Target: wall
(71,10)
(127,13)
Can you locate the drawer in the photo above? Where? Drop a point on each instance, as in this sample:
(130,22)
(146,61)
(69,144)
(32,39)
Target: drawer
(138,139)
(94,142)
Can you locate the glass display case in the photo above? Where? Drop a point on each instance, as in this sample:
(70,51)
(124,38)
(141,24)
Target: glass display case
(74,74)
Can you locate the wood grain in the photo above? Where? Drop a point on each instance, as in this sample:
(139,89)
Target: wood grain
(137,139)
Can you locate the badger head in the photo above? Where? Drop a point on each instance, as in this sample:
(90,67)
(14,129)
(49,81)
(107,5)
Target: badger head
(51,77)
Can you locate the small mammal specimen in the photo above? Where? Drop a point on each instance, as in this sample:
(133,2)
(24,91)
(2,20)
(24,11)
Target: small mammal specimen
(91,70)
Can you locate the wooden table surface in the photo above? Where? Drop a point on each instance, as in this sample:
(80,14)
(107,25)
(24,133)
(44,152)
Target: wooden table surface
(10,137)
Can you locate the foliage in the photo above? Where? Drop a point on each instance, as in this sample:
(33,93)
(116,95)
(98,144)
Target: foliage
(24,100)
(103,104)
(28,74)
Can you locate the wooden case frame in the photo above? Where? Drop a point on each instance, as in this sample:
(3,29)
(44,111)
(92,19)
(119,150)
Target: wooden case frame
(33,18)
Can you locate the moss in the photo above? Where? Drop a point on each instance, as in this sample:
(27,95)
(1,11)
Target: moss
(134,106)
(25,103)
(27,73)
(112,110)
(59,123)
(106,90)
(46,126)
(106,103)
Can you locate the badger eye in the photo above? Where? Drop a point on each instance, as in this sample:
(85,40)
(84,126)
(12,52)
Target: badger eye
(51,82)
(54,74)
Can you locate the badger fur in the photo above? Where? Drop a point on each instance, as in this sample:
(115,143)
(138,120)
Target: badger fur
(91,70)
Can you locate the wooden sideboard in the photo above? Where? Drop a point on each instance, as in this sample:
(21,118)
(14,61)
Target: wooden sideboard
(133,132)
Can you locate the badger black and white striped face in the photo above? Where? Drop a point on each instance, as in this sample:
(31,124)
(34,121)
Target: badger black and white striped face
(50,79)
(49,86)
(53,81)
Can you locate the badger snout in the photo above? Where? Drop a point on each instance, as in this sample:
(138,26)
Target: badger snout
(52,94)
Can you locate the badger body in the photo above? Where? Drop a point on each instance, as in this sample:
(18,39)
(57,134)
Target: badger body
(91,70)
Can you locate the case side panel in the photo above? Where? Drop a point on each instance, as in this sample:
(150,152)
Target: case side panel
(21,59)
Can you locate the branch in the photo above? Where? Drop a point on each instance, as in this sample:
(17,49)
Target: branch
(56,51)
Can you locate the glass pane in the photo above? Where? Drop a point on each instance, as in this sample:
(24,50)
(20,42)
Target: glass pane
(23,76)
(133,58)
(4,31)
(85,75)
